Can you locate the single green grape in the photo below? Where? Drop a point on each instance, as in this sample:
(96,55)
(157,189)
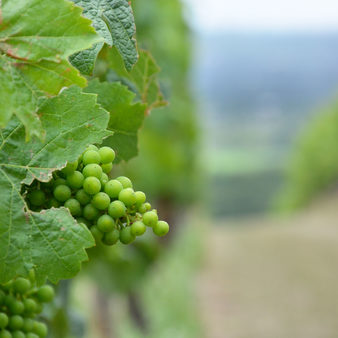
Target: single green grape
(62,193)
(161,228)
(92,147)
(106,168)
(16,307)
(127,196)
(101,201)
(140,197)
(53,203)
(30,305)
(75,180)
(74,206)
(107,155)
(111,238)
(117,209)
(3,320)
(28,324)
(91,156)
(142,208)
(70,168)
(113,188)
(104,179)
(105,223)
(150,218)
(31,335)
(37,197)
(97,234)
(125,181)
(138,228)
(6,334)
(40,329)
(15,322)
(59,181)
(45,294)
(83,197)
(22,285)
(91,185)
(18,334)
(90,212)
(92,169)
(126,236)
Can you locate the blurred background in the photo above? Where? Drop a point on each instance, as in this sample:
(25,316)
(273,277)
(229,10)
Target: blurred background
(243,163)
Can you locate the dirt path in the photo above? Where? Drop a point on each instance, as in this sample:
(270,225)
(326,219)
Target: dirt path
(273,279)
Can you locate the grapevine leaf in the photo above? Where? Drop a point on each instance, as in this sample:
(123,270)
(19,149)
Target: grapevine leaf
(50,241)
(36,39)
(142,78)
(114,21)
(126,117)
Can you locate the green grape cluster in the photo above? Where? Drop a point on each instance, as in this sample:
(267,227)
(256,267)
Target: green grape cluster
(21,302)
(110,208)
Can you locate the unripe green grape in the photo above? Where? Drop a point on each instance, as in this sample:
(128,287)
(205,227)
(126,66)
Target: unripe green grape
(142,208)
(40,329)
(75,180)
(74,206)
(16,307)
(91,147)
(90,212)
(117,209)
(105,223)
(161,228)
(113,188)
(107,154)
(5,334)
(37,197)
(125,181)
(127,196)
(126,236)
(150,218)
(91,185)
(45,294)
(101,201)
(91,156)
(97,234)
(140,197)
(15,322)
(62,193)
(59,181)
(138,228)
(22,285)
(82,197)
(148,206)
(70,168)
(3,320)
(31,275)
(92,169)
(53,203)
(28,324)
(31,335)
(18,334)
(30,305)
(111,238)
(104,179)
(106,168)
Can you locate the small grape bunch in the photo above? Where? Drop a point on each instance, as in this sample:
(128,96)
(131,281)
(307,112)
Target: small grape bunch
(111,209)
(21,302)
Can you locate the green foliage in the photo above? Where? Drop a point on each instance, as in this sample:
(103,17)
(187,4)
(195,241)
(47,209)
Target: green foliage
(113,20)
(314,166)
(126,117)
(49,241)
(36,39)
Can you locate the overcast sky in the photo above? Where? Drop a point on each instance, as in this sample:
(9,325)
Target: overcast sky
(264,14)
